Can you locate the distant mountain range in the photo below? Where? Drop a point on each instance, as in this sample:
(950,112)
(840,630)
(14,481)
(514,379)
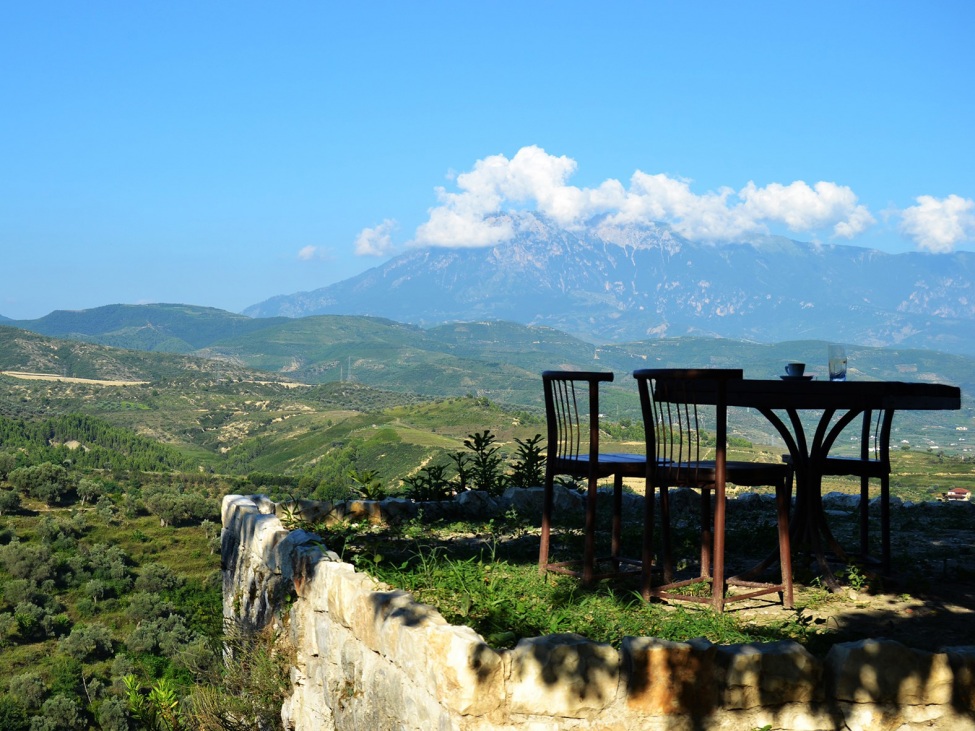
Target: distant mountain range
(611,283)
(499,360)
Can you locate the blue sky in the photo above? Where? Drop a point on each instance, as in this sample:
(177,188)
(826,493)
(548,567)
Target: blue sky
(221,153)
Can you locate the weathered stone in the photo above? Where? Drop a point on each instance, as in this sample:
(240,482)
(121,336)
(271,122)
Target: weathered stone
(369,511)
(468,674)
(769,674)
(474,504)
(344,589)
(370,658)
(562,675)
(398,510)
(841,500)
(568,502)
(887,672)
(666,678)
(682,500)
(962,661)
(526,502)
(367,611)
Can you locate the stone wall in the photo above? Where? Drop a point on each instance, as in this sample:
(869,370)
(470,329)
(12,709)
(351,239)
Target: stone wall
(371,658)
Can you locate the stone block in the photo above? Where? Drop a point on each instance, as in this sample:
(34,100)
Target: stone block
(886,672)
(568,502)
(562,675)
(467,674)
(477,504)
(769,674)
(962,661)
(398,510)
(666,678)
(527,502)
(366,610)
(343,589)
(368,511)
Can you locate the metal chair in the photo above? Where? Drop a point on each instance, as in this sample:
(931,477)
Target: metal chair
(572,415)
(674,403)
(873,462)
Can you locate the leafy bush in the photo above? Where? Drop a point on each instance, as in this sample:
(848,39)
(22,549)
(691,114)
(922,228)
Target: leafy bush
(486,464)
(529,467)
(429,484)
(87,642)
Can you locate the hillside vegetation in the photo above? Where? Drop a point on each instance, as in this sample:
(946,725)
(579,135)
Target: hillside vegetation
(499,361)
(113,462)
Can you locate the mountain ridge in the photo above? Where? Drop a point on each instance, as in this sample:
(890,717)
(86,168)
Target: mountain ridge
(618,283)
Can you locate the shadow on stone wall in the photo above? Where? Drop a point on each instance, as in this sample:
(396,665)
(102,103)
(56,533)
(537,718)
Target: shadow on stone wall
(570,680)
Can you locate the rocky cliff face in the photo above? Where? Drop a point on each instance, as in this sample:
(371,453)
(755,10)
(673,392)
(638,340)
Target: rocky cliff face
(630,283)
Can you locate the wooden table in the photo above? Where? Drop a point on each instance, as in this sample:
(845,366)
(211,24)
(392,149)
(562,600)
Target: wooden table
(839,402)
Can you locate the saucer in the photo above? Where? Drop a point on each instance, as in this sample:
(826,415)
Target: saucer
(796,378)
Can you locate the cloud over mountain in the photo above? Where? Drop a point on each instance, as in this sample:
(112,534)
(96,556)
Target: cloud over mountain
(534,180)
(939,225)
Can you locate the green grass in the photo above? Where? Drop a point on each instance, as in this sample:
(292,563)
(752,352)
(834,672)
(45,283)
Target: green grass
(485,575)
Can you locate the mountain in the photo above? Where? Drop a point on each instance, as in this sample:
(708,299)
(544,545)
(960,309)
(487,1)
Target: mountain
(612,283)
(167,328)
(24,351)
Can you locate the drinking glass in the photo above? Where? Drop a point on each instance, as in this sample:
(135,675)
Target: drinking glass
(837,363)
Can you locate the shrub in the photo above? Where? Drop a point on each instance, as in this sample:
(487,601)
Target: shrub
(87,642)
(529,467)
(486,464)
(429,484)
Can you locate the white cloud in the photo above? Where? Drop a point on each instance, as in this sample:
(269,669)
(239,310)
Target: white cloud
(804,208)
(939,225)
(376,241)
(535,180)
(308,253)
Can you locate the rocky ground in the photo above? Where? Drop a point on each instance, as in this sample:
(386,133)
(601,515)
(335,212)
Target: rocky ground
(927,602)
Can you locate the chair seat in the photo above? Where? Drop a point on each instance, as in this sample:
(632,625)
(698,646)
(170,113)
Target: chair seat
(746,474)
(629,465)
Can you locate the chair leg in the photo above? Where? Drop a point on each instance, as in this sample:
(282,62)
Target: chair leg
(666,550)
(547,505)
(864,516)
(783,495)
(707,536)
(589,549)
(718,577)
(616,548)
(647,553)
(885,524)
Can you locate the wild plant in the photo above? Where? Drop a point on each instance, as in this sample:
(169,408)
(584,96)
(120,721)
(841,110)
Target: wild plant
(462,480)
(368,484)
(487,465)
(429,484)
(529,467)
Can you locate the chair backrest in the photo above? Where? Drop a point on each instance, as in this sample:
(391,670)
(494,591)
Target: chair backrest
(875,429)
(572,414)
(679,406)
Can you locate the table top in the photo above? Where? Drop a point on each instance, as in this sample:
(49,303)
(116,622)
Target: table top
(814,394)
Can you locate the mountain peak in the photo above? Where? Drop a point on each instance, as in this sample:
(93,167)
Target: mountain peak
(611,281)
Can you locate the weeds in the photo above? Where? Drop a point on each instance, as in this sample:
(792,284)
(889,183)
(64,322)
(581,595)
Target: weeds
(368,484)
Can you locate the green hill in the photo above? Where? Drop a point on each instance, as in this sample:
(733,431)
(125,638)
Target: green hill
(235,404)
(159,327)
